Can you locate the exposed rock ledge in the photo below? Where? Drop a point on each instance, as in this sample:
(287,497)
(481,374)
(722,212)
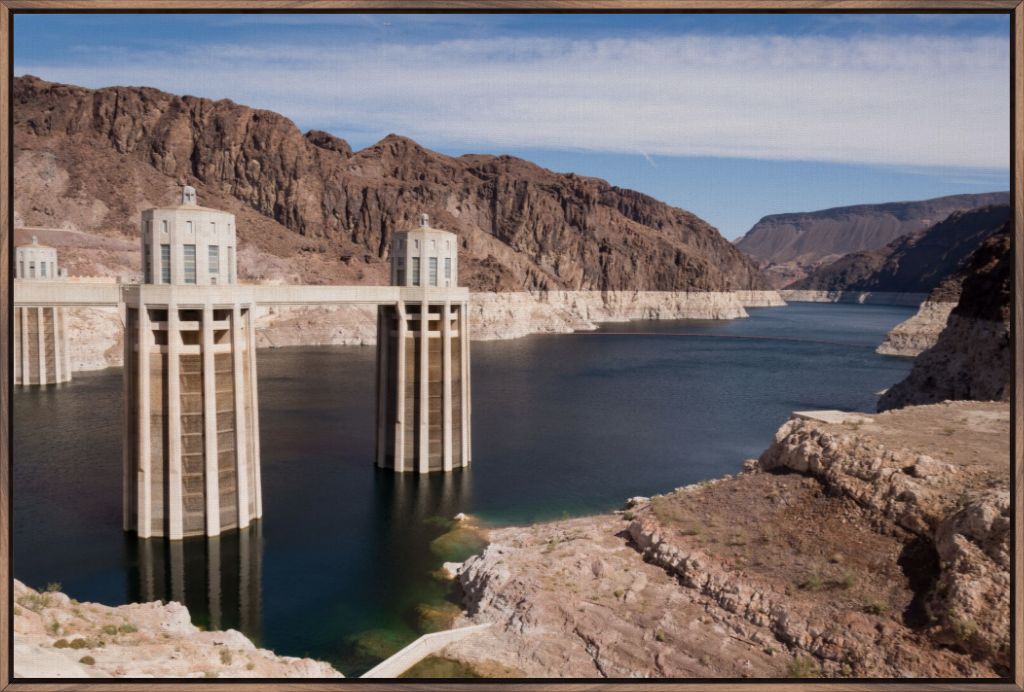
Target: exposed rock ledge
(57,637)
(919,333)
(96,332)
(857,546)
(863,297)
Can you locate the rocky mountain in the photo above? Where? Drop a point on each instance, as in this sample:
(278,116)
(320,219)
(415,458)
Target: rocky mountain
(914,263)
(972,358)
(312,210)
(790,246)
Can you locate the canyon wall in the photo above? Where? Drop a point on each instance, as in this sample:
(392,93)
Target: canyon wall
(972,357)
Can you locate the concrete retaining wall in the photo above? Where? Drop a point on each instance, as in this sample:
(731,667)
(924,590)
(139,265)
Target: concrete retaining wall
(421,648)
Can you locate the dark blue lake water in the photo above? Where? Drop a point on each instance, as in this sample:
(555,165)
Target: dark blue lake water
(339,568)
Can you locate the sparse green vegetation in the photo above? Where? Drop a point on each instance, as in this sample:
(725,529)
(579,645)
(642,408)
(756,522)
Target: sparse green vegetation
(876,607)
(110,629)
(225,656)
(79,643)
(845,581)
(55,627)
(53,587)
(803,667)
(209,673)
(87,660)
(963,630)
(61,644)
(34,601)
(127,628)
(660,636)
(812,582)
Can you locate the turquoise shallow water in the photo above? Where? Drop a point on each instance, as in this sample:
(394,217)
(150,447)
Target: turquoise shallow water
(337,569)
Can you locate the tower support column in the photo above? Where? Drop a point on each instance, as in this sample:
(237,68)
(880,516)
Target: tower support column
(211,471)
(446,384)
(424,389)
(400,391)
(241,427)
(174,510)
(144,496)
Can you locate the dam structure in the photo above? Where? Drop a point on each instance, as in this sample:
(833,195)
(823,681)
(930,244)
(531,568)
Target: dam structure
(423,395)
(191,429)
(41,353)
(191,459)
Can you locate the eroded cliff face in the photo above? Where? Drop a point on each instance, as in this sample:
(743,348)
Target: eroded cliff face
(972,357)
(311,210)
(919,333)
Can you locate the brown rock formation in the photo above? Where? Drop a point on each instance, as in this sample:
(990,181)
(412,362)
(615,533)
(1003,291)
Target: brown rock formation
(972,358)
(312,210)
(791,246)
(915,263)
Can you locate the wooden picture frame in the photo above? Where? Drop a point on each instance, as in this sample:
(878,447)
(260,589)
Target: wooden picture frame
(1011,7)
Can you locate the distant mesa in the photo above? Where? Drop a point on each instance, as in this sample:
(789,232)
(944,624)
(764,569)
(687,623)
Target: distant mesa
(917,262)
(791,246)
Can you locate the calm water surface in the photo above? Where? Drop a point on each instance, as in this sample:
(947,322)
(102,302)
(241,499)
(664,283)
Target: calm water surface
(339,568)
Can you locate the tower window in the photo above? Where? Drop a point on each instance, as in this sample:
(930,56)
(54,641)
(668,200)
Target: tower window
(433,271)
(215,259)
(213,227)
(231,265)
(447,267)
(147,270)
(21,269)
(165,264)
(190,263)
(42,269)
(415,271)
(31,270)
(188,226)
(164,223)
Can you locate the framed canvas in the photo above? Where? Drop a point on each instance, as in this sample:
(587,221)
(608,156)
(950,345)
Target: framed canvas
(450,345)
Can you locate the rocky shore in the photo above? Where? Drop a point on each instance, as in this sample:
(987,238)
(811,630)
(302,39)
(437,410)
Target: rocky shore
(861,297)
(96,333)
(856,546)
(58,637)
(919,333)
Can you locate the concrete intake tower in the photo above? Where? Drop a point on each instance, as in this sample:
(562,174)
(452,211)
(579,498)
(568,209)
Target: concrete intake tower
(423,394)
(41,353)
(191,447)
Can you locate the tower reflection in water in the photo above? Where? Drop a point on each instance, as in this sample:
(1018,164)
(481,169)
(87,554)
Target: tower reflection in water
(217,578)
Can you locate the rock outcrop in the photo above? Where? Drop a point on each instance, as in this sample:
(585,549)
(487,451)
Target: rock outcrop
(919,333)
(311,210)
(57,637)
(857,546)
(914,263)
(790,246)
(972,357)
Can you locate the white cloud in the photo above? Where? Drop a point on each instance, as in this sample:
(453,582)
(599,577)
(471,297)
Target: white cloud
(921,101)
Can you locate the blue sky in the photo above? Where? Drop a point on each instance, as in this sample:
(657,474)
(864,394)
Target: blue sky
(730,116)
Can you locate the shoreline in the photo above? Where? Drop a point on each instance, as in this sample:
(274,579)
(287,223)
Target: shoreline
(96,334)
